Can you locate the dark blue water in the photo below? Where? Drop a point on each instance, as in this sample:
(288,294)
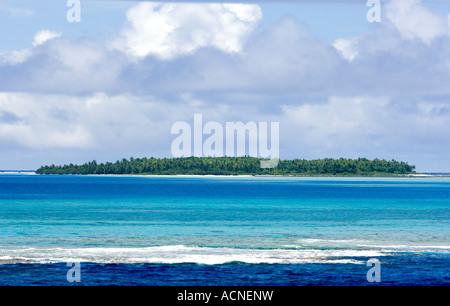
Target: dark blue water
(223,231)
(401,271)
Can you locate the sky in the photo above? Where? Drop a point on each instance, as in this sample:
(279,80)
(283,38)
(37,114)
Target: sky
(112,85)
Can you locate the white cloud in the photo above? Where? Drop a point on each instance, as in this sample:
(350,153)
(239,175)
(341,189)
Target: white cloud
(368,126)
(413,20)
(15,57)
(43,36)
(404,22)
(356,97)
(347,48)
(94,122)
(42,122)
(83,57)
(170,30)
(126,124)
(16,12)
(62,66)
(339,121)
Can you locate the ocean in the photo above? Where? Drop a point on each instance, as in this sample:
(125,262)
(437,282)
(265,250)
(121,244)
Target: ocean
(240,231)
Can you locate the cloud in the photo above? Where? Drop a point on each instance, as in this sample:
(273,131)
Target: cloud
(346,47)
(16,12)
(381,94)
(64,66)
(369,126)
(36,125)
(97,121)
(404,55)
(405,23)
(413,20)
(43,36)
(170,30)
(280,62)
(277,60)
(101,125)
(15,57)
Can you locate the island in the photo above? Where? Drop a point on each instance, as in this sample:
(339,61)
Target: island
(236,166)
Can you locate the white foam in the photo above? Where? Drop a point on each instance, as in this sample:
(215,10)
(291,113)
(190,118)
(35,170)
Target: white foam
(408,248)
(372,245)
(176,254)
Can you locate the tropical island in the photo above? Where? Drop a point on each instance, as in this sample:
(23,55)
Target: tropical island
(236,166)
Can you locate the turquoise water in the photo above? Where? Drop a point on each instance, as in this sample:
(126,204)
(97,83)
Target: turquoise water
(215,222)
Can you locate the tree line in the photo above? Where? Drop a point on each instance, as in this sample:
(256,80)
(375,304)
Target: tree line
(234,166)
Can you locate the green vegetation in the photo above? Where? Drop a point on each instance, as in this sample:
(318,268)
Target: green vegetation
(235,166)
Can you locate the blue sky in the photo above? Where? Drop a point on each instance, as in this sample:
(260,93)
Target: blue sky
(112,85)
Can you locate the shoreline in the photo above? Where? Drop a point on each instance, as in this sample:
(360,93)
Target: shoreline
(418,175)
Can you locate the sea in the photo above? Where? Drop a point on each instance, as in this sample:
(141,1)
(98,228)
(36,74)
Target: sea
(223,231)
